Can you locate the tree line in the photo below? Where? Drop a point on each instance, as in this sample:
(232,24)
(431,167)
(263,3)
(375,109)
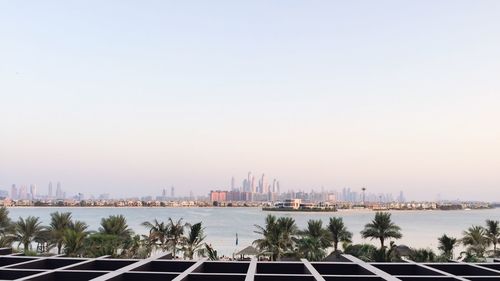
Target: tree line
(280,238)
(71,237)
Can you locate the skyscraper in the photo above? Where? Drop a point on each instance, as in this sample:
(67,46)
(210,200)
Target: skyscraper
(245,185)
(59,192)
(23,194)
(50,190)
(232,184)
(248,187)
(33,191)
(252,184)
(172,192)
(13,192)
(263,185)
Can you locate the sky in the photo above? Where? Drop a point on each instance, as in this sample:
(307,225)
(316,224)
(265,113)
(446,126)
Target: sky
(130,97)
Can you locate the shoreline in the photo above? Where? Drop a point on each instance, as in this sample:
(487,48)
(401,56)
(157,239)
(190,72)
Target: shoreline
(366,210)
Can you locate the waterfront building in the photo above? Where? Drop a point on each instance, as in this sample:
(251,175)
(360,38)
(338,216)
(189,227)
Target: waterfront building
(218,196)
(292,203)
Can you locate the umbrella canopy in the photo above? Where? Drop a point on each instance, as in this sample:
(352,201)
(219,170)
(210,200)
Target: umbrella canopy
(403,250)
(248,251)
(336,257)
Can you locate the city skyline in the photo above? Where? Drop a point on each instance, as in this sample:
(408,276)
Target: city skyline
(341,194)
(130,98)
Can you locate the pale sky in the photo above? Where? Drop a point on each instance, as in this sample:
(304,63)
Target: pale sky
(129,97)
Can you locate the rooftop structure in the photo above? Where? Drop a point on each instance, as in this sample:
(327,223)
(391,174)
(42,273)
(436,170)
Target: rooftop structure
(160,267)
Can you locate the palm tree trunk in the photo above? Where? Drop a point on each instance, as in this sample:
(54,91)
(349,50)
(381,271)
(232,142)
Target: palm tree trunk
(59,246)
(335,244)
(381,243)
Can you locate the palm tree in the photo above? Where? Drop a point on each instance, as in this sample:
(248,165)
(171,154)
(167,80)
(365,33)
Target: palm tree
(116,225)
(59,222)
(175,235)
(422,255)
(5,227)
(74,242)
(277,236)
(268,242)
(476,240)
(211,252)
(314,240)
(26,231)
(79,226)
(194,241)
(158,233)
(5,222)
(136,248)
(287,230)
(365,252)
(338,232)
(74,238)
(102,244)
(493,234)
(446,245)
(381,228)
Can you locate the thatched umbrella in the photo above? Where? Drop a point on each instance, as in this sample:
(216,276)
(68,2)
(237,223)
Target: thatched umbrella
(248,251)
(336,257)
(403,250)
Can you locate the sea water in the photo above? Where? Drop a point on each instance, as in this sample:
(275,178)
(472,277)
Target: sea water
(420,228)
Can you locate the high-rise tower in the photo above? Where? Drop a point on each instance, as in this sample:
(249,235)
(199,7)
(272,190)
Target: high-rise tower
(263,182)
(13,192)
(59,192)
(33,191)
(50,190)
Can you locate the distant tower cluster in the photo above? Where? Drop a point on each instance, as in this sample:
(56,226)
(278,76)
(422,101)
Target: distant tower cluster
(31,192)
(259,189)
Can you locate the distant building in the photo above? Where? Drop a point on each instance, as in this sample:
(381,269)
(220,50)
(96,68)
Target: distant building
(13,192)
(218,196)
(23,193)
(59,192)
(4,194)
(104,196)
(292,203)
(50,194)
(33,191)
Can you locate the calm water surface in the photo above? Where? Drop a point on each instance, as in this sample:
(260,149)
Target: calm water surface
(420,228)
